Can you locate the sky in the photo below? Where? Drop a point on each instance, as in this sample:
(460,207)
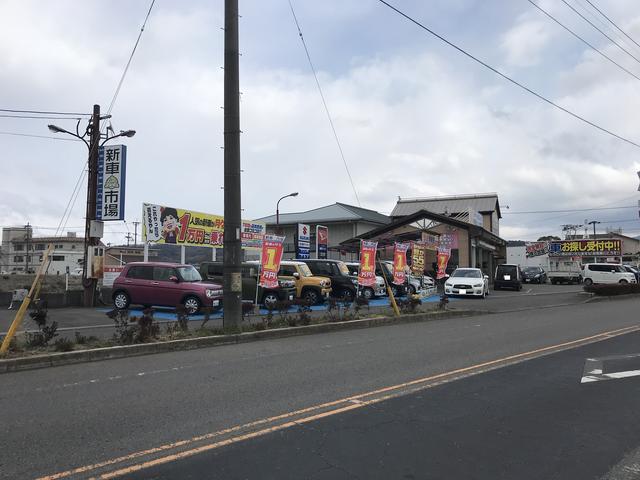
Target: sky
(414,116)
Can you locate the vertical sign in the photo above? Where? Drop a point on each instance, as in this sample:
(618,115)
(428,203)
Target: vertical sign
(322,241)
(367,270)
(271,256)
(443,260)
(112,165)
(303,240)
(417,258)
(399,262)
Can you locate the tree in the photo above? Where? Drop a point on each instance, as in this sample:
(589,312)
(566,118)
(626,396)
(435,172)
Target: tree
(548,238)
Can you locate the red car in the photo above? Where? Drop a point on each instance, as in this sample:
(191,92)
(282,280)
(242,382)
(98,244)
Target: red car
(164,284)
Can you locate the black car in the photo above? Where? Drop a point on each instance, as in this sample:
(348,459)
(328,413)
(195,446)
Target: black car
(508,276)
(343,284)
(286,290)
(534,275)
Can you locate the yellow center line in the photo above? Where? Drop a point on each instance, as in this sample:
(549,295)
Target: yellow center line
(354,402)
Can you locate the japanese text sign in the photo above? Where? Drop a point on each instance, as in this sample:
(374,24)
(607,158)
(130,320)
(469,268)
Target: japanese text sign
(608,247)
(448,241)
(535,249)
(399,262)
(417,257)
(367,270)
(112,164)
(271,257)
(303,241)
(171,225)
(322,241)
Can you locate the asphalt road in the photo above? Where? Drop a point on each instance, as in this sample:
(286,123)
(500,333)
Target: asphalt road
(95,322)
(66,417)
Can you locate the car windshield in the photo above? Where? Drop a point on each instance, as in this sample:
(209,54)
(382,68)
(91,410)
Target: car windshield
(189,274)
(304,270)
(343,268)
(531,269)
(467,273)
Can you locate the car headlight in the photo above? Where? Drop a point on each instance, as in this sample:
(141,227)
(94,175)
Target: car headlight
(537,276)
(354,281)
(325,283)
(214,293)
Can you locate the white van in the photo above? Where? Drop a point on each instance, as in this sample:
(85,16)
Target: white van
(606,273)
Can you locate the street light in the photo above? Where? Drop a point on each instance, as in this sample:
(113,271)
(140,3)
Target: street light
(95,139)
(294,194)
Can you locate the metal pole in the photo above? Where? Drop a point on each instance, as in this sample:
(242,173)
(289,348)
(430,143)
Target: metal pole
(183,254)
(88,283)
(135,233)
(232,280)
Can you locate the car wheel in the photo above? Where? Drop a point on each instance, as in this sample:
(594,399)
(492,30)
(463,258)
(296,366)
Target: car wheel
(270,299)
(368,293)
(588,281)
(623,282)
(191,305)
(347,295)
(311,296)
(121,300)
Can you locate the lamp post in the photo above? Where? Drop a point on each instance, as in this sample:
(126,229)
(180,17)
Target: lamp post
(594,223)
(92,132)
(294,194)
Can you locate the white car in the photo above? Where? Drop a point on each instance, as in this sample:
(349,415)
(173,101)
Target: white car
(606,273)
(467,282)
(378,290)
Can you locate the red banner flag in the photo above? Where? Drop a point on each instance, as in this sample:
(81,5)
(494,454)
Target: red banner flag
(271,256)
(443,260)
(367,271)
(399,263)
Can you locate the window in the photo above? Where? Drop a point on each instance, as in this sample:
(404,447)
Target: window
(287,270)
(162,274)
(140,272)
(214,269)
(57,258)
(18,259)
(321,268)
(18,247)
(73,247)
(188,273)
(58,247)
(40,246)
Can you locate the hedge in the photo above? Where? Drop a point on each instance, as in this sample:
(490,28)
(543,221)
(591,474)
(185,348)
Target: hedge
(613,289)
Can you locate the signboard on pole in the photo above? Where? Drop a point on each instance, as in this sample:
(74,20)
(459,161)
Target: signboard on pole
(535,249)
(170,225)
(272,246)
(322,241)
(609,247)
(112,166)
(367,270)
(417,258)
(448,241)
(399,262)
(303,241)
(111,272)
(443,259)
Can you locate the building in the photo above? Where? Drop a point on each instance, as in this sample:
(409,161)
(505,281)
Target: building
(343,222)
(22,252)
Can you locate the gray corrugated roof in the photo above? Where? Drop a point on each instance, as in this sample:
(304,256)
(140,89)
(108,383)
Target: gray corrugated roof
(447,205)
(338,212)
(331,213)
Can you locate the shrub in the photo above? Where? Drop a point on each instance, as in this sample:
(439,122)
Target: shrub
(613,289)
(125,331)
(147,327)
(46,332)
(83,340)
(63,345)
(408,305)
(183,318)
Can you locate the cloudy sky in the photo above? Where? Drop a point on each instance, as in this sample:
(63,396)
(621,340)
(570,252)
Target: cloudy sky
(414,116)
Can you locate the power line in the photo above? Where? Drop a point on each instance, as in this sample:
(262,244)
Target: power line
(612,22)
(570,210)
(42,112)
(3,115)
(582,39)
(16,134)
(598,29)
(324,102)
(126,68)
(506,77)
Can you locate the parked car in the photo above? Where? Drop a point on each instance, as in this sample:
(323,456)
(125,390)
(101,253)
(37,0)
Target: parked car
(397,290)
(164,284)
(343,285)
(269,297)
(634,270)
(606,273)
(310,287)
(413,284)
(467,282)
(508,276)
(378,290)
(534,275)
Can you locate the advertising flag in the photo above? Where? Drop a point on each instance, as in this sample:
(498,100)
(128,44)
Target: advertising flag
(443,260)
(399,263)
(271,256)
(417,258)
(367,271)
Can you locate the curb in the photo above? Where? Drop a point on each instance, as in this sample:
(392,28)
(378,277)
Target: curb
(108,353)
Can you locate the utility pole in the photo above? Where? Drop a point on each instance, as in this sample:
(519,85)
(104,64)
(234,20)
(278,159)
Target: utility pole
(88,283)
(128,237)
(594,223)
(135,233)
(232,280)
(27,238)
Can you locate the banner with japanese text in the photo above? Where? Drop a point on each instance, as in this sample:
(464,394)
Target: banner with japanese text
(367,270)
(399,263)
(430,241)
(535,249)
(272,246)
(169,225)
(443,259)
(608,247)
(418,258)
(448,241)
(322,241)
(110,183)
